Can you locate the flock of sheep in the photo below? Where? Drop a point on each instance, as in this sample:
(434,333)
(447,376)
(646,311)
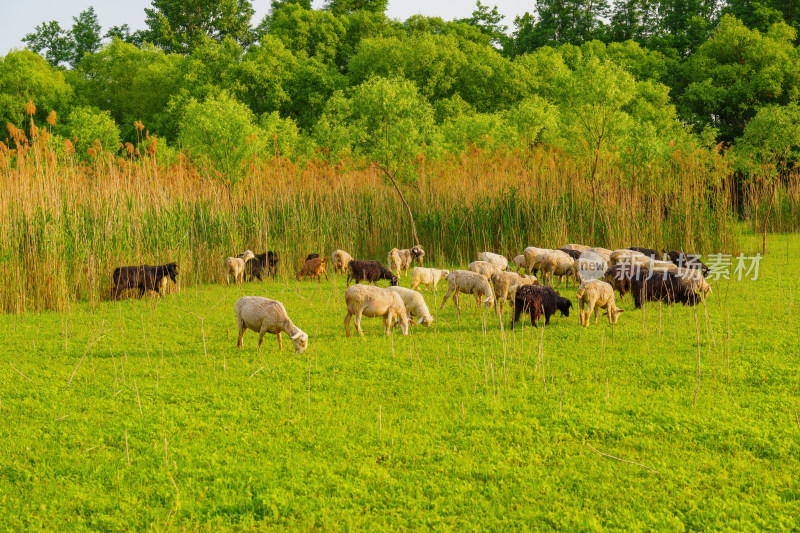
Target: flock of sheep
(647,274)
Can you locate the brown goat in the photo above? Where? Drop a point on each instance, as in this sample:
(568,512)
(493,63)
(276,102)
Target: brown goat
(314,268)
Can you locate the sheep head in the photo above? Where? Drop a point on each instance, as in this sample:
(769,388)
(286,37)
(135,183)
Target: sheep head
(300,341)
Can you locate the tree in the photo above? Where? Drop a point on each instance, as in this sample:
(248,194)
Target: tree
(180,25)
(768,149)
(738,71)
(85,35)
(342,7)
(386,122)
(221,137)
(124,34)
(488,21)
(88,125)
(25,76)
(595,121)
(558,22)
(304,31)
(55,42)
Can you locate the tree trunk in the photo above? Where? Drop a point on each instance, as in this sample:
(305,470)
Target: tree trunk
(403,199)
(766,219)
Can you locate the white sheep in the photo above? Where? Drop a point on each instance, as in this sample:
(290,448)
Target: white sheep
(519,262)
(624,256)
(235,266)
(590,265)
(400,260)
(415,305)
(484,268)
(340,261)
(427,277)
(597,294)
(263,315)
(505,286)
(694,278)
(371,301)
(468,282)
(496,259)
(556,263)
(534,257)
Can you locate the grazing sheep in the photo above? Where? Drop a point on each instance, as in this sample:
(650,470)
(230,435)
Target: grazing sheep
(426,276)
(619,277)
(272,263)
(649,287)
(415,305)
(556,263)
(597,294)
(314,268)
(574,254)
(400,260)
(520,263)
(684,260)
(142,277)
(624,256)
(590,265)
(254,267)
(484,268)
(694,278)
(661,266)
(534,257)
(369,271)
(605,253)
(340,261)
(578,247)
(539,300)
(503,282)
(263,315)
(372,302)
(649,252)
(498,260)
(235,266)
(468,282)
(526,280)
(309,257)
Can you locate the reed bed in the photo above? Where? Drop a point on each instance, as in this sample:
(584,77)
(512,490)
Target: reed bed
(66,224)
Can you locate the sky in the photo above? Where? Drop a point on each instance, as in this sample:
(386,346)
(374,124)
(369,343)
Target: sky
(21,17)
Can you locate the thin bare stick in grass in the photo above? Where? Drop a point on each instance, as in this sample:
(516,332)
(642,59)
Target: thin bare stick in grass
(796,418)
(256,372)
(622,460)
(127,452)
(97,337)
(137,397)
(20,373)
(380,422)
(173,512)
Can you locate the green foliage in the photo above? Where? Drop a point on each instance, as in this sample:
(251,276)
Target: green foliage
(49,38)
(489,22)
(85,34)
(737,71)
(770,144)
(343,7)
(85,125)
(219,134)
(181,25)
(133,84)
(303,31)
(281,136)
(25,75)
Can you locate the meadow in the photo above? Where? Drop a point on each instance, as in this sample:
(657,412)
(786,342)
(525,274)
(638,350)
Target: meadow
(141,414)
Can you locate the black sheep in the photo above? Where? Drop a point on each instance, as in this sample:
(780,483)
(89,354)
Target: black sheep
(575,254)
(256,266)
(370,271)
(312,256)
(539,300)
(142,277)
(684,260)
(646,251)
(661,286)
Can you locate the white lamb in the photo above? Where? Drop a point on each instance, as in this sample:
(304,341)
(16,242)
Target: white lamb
(427,277)
(415,305)
(340,261)
(484,268)
(371,301)
(468,282)
(235,266)
(597,294)
(496,259)
(263,315)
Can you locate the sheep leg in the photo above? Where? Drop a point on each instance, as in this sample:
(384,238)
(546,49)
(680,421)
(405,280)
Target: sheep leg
(532,312)
(261,339)
(357,322)
(446,296)
(580,312)
(596,309)
(348,279)
(387,322)
(326,275)
(280,341)
(240,342)
(347,323)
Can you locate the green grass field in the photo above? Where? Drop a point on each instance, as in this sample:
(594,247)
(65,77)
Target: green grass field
(455,426)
